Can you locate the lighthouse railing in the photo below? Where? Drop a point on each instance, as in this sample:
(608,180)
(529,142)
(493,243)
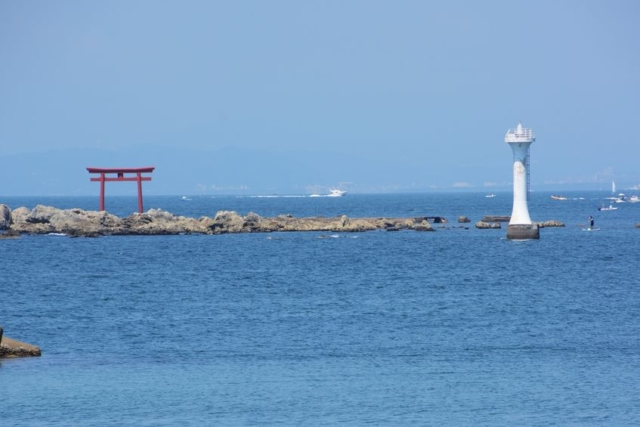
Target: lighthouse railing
(524,133)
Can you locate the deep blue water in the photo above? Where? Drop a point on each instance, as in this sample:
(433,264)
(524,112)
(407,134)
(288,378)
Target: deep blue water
(455,327)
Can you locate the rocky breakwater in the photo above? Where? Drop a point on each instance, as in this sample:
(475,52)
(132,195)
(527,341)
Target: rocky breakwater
(80,223)
(494,221)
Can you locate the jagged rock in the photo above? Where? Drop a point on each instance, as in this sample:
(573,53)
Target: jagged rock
(270,225)
(5,217)
(14,348)
(6,352)
(551,223)
(77,222)
(227,222)
(41,214)
(487,225)
(423,226)
(154,222)
(252,222)
(19,215)
(463,219)
(10,234)
(397,224)
(359,225)
(495,218)
(406,224)
(160,215)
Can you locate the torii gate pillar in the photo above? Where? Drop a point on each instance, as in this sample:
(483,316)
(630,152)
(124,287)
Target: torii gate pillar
(120,176)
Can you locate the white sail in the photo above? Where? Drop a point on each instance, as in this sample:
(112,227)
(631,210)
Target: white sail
(613,187)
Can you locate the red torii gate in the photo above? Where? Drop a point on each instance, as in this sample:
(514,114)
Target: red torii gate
(120,177)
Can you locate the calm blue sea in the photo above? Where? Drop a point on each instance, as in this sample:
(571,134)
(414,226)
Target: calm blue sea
(454,327)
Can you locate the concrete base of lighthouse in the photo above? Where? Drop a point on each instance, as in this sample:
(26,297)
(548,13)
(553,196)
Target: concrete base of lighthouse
(523,232)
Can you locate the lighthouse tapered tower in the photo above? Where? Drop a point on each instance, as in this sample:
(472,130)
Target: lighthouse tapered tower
(520,225)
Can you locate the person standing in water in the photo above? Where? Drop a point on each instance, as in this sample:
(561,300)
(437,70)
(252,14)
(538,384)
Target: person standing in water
(591,221)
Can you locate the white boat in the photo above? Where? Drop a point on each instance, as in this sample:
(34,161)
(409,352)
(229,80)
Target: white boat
(336,193)
(490,195)
(556,197)
(634,199)
(610,208)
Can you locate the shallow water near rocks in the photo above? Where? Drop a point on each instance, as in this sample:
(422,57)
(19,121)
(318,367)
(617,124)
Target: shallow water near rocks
(454,327)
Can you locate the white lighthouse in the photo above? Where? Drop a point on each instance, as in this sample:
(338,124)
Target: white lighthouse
(520,225)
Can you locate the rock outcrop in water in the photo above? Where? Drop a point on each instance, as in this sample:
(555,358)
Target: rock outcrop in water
(493,221)
(77,222)
(550,223)
(14,348)
(486,225)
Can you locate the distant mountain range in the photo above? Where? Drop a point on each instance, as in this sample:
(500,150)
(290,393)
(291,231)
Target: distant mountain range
(189,171)
(243,171)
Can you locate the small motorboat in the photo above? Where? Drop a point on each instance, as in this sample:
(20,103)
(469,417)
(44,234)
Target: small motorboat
(610,208)
(336,193)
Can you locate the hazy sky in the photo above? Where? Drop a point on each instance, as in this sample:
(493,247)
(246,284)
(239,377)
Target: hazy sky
(428,86)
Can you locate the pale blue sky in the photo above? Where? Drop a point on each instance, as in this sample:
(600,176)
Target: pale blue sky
(428,88)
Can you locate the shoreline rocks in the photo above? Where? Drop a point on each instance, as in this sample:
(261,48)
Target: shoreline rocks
(80,223)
